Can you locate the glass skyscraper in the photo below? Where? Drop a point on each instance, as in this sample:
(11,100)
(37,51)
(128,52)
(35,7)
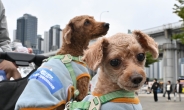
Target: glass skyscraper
(54,37)
(27,30)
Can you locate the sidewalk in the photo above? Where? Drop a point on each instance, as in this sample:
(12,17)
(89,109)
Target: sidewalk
(148,102)
(159,95)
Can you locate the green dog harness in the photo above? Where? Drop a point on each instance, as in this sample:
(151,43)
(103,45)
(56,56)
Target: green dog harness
(66,59)
(96,102)
(53,83)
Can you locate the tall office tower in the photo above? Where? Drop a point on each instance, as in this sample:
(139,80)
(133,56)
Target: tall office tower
(61,38)
(14,35)
(42,45)
(27,30)
(54,37)
(39,44)
(46,41)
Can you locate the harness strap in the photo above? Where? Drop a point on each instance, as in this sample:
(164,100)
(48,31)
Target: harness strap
(86,105)
(66,59)
(117,94)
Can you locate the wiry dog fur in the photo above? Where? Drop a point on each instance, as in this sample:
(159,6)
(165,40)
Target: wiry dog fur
(127,50)
(76,37)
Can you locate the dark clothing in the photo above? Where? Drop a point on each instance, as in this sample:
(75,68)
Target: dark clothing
(155,96)
(168,92)
(155,87)
(180,88)
(164,93)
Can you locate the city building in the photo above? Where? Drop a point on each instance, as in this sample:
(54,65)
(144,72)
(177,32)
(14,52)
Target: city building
(39,46)
(171,53)
(54,37)
(14,35)
(46,41)
(27,30)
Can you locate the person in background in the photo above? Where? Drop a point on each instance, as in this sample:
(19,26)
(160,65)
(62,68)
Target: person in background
(178,90)
(21,49)
(8,67)
(154,88)
(30,50)
(169,90)
(164,92)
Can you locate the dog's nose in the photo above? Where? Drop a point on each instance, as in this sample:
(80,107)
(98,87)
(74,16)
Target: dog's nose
(106,25)
(136,79)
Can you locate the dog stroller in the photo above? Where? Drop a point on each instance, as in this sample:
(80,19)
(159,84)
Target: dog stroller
(11,90)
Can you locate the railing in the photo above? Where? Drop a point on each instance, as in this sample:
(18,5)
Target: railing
(163,27)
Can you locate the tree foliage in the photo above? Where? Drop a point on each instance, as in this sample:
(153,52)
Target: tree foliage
(179,10)
(149,59)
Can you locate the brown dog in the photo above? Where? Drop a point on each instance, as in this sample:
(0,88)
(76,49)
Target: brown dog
(76,37)
(121,59)
(56,81)
(78,32)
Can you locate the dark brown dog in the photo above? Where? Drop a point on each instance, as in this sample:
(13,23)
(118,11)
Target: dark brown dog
(76,37)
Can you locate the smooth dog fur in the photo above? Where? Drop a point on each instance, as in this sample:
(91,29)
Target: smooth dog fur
(126,49)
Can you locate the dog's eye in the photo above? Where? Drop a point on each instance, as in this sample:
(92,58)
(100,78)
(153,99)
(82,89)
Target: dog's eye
(87,22)
(115,62)
(140,56)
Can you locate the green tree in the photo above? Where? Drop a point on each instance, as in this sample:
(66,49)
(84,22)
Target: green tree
(149,59)
(179,10)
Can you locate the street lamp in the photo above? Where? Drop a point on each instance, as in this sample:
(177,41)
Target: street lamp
(102,13)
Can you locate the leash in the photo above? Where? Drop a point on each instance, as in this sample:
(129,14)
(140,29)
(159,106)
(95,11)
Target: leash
(97,101)
(67,59)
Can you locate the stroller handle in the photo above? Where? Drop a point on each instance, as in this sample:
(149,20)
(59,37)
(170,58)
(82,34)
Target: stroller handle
(22,59)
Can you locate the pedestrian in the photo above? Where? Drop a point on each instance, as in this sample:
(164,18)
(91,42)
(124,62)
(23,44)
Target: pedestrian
(164,92)
(10,70)
(178,90)
(154,88)
(169,89)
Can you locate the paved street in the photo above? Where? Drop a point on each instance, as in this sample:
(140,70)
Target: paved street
(148,103)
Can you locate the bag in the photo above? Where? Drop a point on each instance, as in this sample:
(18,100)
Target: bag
(10,92)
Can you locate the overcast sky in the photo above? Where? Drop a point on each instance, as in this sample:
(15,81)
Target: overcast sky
(122,15)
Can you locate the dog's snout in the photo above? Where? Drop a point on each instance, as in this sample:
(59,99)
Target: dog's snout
(106,25)
(136,79)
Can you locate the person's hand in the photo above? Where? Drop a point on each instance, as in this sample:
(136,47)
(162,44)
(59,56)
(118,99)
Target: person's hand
(10,69)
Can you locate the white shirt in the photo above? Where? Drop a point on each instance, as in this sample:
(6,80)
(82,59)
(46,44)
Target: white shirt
(168,87)
(177,88)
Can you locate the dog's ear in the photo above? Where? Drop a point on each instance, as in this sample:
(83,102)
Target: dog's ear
(147,43)
(94,54)
(67,33)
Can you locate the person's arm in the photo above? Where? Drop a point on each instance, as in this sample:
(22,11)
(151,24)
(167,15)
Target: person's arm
(152,86)
(9,68)
(171,88)
(4,36)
